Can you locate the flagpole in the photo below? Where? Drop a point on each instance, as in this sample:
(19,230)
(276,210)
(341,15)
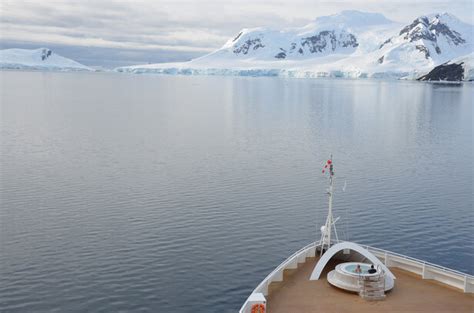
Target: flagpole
(326,230)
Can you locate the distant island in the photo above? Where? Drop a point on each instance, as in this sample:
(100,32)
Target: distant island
(38,59)
(351,44)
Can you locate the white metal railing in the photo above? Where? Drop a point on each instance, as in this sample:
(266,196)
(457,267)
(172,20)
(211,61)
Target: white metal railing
(421,262)
(284,264)
(468,279)
(265,282)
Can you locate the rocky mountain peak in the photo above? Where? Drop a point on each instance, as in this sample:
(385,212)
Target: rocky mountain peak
(329,40)
(314,43)
(431,36)
(430,29)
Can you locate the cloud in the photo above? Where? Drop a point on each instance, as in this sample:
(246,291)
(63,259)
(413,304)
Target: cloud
(181,27)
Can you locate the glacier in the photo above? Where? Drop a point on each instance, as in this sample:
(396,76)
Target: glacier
(351,44)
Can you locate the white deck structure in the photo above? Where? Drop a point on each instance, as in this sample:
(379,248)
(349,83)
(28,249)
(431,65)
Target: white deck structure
(346,245)
(458,280)
(329,249)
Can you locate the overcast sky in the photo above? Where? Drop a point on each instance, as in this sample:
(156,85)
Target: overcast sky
(120,32)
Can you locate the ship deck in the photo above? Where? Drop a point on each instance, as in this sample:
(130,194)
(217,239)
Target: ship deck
(296,293)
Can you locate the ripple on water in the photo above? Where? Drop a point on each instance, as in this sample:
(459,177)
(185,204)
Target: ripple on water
(120,194)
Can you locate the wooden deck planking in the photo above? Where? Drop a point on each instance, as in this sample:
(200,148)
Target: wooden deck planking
(297,294)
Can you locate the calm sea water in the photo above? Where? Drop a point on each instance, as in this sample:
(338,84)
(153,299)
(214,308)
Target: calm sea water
(128,193)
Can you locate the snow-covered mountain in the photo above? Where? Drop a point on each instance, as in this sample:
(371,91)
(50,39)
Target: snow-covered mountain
(427,42)
(341,34)
(38,59)
(349,44)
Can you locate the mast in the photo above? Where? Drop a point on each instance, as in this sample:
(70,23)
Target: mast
(326,230)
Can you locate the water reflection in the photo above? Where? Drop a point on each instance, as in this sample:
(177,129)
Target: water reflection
(151,193)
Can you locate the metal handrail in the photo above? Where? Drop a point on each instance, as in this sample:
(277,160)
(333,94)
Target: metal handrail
(440,267)
(279,267)
(390,253)
(284,263)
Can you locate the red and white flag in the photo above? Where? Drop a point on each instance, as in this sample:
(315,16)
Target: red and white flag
(328,167)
